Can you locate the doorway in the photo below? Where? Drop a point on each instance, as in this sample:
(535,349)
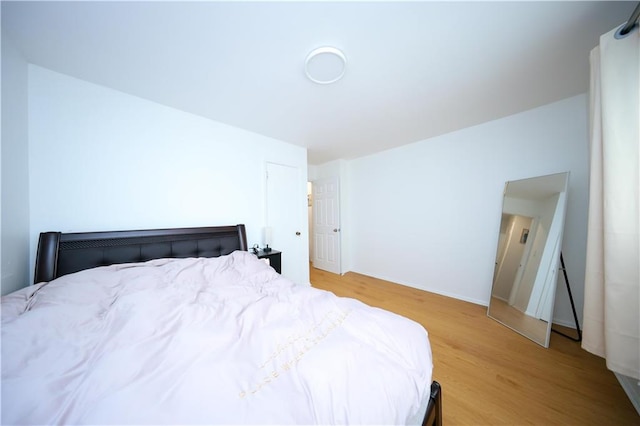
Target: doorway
(324,224)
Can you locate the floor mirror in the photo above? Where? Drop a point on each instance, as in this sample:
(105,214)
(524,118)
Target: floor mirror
(528,255)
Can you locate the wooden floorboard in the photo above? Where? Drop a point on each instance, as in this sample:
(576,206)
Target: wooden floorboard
(491,375)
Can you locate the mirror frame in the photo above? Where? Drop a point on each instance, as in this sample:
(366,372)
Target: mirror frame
(532,272)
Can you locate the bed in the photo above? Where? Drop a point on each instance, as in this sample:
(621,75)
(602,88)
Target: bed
(185,326)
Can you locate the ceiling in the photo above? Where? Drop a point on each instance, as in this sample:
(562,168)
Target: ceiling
(414,69)
(537,188)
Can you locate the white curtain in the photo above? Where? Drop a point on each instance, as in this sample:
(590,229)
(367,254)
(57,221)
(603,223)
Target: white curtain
(612,279)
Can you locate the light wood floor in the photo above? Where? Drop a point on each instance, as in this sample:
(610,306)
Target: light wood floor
(491,375)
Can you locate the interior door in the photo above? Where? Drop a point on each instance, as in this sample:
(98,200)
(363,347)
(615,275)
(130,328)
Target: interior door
(326,225)
(286,208)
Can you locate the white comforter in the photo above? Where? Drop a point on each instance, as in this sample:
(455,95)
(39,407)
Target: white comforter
(210,341)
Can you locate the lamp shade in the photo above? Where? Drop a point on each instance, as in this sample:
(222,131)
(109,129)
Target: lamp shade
(267,235)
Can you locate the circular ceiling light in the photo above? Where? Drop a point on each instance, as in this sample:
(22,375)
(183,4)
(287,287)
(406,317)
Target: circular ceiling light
(325,65)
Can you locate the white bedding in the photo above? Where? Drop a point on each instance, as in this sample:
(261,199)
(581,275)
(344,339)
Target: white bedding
(210,341)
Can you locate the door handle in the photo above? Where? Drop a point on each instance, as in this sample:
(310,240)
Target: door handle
(336,229)
(298,233)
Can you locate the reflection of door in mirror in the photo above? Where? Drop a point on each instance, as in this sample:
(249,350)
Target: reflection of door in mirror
(527,255)
(511,250)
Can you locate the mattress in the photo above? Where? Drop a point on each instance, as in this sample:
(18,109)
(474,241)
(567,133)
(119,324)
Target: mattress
(222,340)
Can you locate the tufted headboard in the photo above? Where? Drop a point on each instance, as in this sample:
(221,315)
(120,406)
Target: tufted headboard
(60,254)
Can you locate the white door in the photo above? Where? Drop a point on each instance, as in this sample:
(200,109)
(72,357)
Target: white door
(286,213)
(326,225)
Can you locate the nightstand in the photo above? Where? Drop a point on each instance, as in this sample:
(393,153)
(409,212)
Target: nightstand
(274,256)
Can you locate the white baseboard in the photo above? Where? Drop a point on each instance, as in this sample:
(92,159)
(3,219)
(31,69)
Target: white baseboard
(632,387)
(570,324)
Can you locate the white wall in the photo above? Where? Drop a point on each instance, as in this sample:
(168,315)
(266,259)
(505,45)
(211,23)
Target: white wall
(428,214)
(15,178)
(104,160)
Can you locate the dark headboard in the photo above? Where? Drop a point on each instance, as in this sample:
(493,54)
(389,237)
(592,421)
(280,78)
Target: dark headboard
(61,254)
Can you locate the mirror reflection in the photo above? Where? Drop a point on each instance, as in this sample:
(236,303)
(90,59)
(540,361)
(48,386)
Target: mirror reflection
(528,254)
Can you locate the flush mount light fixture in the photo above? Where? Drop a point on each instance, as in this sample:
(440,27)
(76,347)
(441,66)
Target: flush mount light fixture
(325,65)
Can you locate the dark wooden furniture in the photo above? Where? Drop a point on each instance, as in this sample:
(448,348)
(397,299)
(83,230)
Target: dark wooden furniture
(60,254)
(275,258)
(433,416)
(64,253)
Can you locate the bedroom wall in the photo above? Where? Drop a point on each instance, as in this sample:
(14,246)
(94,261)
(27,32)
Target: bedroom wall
(428,214)
(15,177)
(104,160)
